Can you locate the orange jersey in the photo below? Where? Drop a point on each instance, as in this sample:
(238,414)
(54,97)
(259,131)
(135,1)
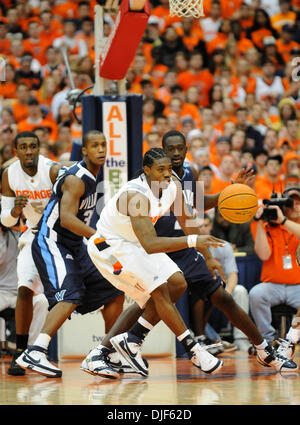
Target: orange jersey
(285,49)
(281,243)
(8,90)
(203,80)
(264,187)
(218,185)
(27,126)
(280,19)
(20,111)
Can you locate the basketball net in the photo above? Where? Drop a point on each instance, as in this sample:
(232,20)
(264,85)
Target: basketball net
(186,8)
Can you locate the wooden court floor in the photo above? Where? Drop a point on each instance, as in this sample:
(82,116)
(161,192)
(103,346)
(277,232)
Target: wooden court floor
(241,381)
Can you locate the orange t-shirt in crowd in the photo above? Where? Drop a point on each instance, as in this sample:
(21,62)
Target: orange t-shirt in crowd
(66,10)
(37,49)
(203,80)
(8,90)
(285,49)
(193,39)
(280,19)
(5,47)
(20,111)
(217,185)
(218,42)
(264,187)
(27,126)
(243,45)
(235,81)
(229,7)
(258,36)
(281,243)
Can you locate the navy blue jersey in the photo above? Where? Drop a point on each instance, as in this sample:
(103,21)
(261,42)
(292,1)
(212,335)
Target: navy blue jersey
(49,225)
(168,224)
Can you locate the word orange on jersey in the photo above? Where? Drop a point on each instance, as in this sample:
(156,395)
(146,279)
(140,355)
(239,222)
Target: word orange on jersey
(35,194)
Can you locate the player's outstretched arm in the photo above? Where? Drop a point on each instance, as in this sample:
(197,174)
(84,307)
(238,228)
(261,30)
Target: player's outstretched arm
(73,188)
(244,177)
(138,209)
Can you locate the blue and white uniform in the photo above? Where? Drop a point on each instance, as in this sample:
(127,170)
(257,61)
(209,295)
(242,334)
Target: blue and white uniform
(61,256)
(200,281)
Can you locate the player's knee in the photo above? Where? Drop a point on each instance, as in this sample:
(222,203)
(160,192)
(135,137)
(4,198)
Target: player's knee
(177,286)
(223,300)
(160,293)
(24,293)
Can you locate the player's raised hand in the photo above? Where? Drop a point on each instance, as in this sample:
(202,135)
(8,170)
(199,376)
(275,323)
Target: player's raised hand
(208,240)
(245,176)
(20,203)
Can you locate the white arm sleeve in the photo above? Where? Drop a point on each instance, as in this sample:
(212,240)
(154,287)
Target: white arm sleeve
(7,204)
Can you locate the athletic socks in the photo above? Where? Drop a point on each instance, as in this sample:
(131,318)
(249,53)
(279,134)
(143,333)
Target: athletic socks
(43,341)
(261,346)
(141,328)
(187,341)
(21,342)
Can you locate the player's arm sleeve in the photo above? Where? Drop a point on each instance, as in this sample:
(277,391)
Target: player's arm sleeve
(7,204)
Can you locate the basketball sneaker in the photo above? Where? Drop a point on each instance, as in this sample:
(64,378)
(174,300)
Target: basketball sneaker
(269,357)
(212,348)
(205,361)
(35,358)
(129,347)
(119,364)
(97,363)
(14,369)
(286,348)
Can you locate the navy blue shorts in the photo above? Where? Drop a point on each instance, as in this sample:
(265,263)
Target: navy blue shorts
(68,274)
(201,283)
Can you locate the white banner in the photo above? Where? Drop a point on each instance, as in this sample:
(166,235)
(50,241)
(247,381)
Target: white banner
(115,131)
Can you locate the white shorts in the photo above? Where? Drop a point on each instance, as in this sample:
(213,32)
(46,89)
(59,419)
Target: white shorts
(129,268)
(27,272)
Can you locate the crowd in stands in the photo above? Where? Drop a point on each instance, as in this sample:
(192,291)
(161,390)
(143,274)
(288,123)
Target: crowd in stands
(228,81)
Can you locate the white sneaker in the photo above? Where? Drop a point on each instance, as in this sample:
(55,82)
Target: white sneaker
(269,357)
(96,363)
(129,348)
(286,348)
(204,360)
(119,364)
(35,358)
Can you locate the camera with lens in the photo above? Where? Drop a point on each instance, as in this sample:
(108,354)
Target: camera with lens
(271,213)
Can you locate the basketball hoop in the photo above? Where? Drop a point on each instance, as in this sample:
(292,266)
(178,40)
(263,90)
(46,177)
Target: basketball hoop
(186,8)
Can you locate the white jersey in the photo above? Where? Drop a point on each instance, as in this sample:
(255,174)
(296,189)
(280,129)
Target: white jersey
(114,225)
(37,188)
(275,89)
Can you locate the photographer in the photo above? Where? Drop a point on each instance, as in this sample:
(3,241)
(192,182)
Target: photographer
(276,243)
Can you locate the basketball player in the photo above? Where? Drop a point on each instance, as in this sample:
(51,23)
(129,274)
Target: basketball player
(201,283)
(26,188)
(70,279)
(128,253)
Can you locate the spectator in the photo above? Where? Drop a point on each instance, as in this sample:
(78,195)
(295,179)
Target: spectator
(276,246)
(238,235)
(254,139)
(26,75)
(284,17)
(271,182)
(210,25)
(171,43)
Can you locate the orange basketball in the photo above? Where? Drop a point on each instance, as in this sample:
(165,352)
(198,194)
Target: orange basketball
(237,203)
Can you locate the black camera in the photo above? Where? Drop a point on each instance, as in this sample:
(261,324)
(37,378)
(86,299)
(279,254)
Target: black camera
(271,213)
